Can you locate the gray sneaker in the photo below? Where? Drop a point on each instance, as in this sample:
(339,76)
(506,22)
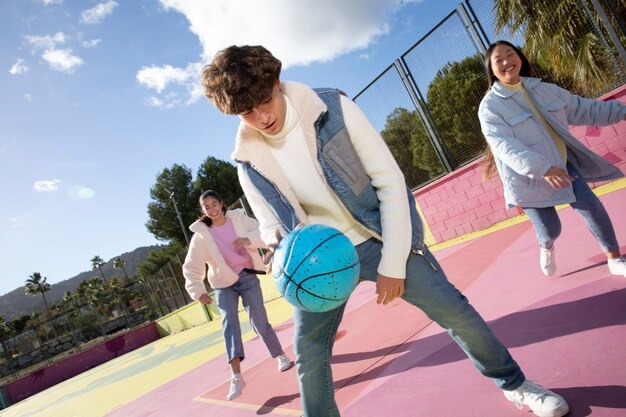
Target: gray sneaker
(237,385)
(547,261)
(542,401)
(284,362)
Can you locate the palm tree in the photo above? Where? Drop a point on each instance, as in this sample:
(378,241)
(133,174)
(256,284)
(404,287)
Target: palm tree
(119,293)
(119,263)
(559,34)
(36,284)
(97,262)
(67,304)
(92,290)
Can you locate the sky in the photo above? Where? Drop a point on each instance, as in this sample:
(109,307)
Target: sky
(97,97)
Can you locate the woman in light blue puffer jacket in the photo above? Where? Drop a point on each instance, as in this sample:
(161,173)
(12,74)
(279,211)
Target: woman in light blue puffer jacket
(541,165)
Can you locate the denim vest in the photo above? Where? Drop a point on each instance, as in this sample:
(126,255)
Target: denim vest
(344,173)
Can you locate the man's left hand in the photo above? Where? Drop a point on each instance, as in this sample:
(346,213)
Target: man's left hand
(388,289)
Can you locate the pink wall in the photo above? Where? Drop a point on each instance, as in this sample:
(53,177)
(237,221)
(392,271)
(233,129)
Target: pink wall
(71,366)
(461,202)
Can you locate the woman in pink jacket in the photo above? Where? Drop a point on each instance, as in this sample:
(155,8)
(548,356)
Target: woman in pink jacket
(228,242)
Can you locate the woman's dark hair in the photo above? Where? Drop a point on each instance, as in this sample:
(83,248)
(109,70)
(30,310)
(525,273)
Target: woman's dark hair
(210,193)
(525,71)
(488,162)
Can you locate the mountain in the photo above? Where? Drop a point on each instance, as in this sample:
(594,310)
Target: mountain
(16,303)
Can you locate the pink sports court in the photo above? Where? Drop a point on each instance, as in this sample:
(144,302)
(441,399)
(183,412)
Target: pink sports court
(567,332)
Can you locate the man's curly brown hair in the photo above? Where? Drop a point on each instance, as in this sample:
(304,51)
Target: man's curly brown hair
(240,78)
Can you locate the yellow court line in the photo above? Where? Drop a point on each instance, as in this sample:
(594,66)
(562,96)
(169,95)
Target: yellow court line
(261,409)
(599,191)
(111,385)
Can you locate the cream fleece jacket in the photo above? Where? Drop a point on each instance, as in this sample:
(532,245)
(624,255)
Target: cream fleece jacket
(203,251)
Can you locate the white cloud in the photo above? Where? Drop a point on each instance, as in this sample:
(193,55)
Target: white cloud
(18,68)
(59,59)
(91,43)
(97,13)
(45,186)
(28,97)
(62,60)
(47,41)
(49,2)
(297,32)
(158,79)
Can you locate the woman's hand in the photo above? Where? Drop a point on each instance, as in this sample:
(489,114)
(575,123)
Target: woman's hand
(205,299)
(558,178)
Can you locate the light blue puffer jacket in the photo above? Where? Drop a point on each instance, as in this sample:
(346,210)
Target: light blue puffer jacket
(523,149)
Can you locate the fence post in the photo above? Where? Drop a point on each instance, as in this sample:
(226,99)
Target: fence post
(186,296)
(601,36)
(611,31)
(471,29)
(441,149)
(169,289)
(169,264)
(162,294)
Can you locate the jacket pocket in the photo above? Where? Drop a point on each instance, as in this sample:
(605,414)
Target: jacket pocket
(516,119)
(555,105)
(525,127)
(340,154)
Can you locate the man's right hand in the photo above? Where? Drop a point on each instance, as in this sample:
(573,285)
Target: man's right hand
(271,247)
(205,299)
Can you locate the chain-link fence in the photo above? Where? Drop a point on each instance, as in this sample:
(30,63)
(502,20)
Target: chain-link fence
(425,104)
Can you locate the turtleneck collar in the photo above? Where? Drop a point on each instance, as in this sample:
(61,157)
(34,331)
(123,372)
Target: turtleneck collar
(291,121)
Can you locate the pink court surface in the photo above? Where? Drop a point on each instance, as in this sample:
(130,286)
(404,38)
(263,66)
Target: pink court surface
(568,332)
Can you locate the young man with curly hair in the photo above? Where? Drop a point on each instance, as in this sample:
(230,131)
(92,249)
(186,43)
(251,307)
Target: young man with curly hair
(311,156)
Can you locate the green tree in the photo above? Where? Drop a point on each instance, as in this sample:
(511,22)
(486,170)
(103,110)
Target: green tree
(157,258)
(21,322)
(163,221)
(7,328)
(558,34)
(96,263)
(407,140)
(453,98)
(35,285)
(220,176)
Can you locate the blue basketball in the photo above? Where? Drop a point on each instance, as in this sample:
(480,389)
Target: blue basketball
(315,268)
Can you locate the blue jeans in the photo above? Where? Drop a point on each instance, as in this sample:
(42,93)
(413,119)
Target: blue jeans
(548,225)
(249,288)
(426,287)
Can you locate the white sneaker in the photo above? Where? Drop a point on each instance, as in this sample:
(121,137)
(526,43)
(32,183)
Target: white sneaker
(617,266)
(547,261)
(284,362)
(542,401)
(237,385)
